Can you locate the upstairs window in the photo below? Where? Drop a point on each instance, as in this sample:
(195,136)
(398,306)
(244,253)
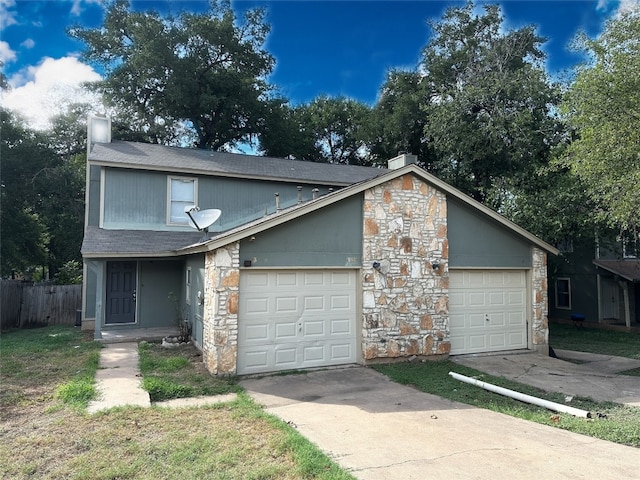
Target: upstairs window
(563,293)
(183,192)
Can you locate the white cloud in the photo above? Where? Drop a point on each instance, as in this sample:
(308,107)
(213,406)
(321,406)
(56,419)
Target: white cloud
(28,43)
(7,17)
(6,54)
(627,6)
(76,8)
(40,92)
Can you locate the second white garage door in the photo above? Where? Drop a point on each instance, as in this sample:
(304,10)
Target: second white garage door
(295,319)
(487,310)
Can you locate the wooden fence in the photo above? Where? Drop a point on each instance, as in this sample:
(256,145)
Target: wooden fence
(26,305)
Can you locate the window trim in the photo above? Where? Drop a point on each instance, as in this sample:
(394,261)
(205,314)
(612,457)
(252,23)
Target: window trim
(170,178)
(567,293)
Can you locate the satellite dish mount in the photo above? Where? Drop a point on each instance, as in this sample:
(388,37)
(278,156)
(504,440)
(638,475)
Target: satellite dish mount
(201,220)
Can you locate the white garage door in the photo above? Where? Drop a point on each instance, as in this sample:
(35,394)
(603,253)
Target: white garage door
(487,310)
(292,319)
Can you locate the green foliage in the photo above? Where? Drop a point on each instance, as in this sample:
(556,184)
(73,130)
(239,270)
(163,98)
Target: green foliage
(603,107)
(25,161)
(70,273)
(42,200)
(337,127)
(398,120)
(489,116)
(178,372)
(79,391)
(207,70)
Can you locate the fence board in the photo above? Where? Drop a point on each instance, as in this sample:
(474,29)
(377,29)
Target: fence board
(29,305)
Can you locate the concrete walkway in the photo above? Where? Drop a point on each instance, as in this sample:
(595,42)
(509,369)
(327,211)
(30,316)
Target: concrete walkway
(379,430)
(118,382)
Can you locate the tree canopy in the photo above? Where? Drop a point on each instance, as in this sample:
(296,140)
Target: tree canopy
(204,70)
(603,108)
(489,118)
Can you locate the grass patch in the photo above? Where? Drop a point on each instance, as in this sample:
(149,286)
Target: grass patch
(53,362)
(595,340)
(178,372)
(43,438)
(616,423)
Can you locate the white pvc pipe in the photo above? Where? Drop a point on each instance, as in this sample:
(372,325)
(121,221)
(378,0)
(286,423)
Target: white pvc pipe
(556,407)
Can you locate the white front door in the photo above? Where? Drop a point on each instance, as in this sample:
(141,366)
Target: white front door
(295,319)
(487,310)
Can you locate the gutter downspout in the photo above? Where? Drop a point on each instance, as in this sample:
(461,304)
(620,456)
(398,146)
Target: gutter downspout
(556,407)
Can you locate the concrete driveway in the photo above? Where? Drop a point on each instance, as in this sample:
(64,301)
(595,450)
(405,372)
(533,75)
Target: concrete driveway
(572,373)
(377,429)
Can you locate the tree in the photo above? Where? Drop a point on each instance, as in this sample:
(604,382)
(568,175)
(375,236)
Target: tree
(490,118)
(603,107)
(337,128)
(398,120)
(286,133)
(25,155)
(200,69)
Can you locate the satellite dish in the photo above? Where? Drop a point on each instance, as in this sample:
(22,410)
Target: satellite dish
(201,220)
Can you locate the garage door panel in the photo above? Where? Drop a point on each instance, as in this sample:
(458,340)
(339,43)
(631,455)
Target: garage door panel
(314,303)
(309,317)
(258,306)
(313,328)
(474,320)
(493,295)
(314,279)
(341,326)
(285,331)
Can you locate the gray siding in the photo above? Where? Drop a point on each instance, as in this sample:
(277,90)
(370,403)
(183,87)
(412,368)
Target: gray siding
(94,196)
(138,199)
(135,199)
(476,241)
(242,201)
(330,237)
(156,279)
(195,311)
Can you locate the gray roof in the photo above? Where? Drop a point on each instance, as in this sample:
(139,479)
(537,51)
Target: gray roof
(99,242)
(189,160)
(628,269)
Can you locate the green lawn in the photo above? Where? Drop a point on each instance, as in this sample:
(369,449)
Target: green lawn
(595,340)
(47,376)
(613,422)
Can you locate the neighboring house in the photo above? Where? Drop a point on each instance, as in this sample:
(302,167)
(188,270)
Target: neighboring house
(597,279)
(352,265)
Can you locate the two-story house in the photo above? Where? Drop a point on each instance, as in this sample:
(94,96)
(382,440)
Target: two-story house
(309,264)
(598,280)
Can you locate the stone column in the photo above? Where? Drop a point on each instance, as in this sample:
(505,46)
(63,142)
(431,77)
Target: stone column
(220,329)
(405,298)
(540,322)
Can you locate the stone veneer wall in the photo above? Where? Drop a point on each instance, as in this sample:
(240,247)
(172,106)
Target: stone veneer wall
(405,301)
(221,286)
(540,324)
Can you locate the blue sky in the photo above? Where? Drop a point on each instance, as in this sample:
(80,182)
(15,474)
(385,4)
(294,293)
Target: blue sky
(321,47)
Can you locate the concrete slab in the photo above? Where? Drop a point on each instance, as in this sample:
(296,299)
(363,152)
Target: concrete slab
(594,378)
(118,378)
(377,429)
(197,401)
(136,335)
